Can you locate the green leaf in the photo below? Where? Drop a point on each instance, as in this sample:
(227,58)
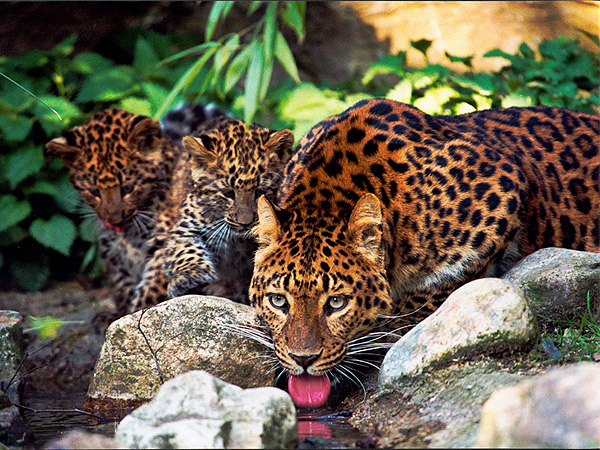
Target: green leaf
(237,67)
(57,233)
(497,53)
(516,99)
(90,62)
(253,82)
(388,64)
(65,48)
(594,37)
(12,236)
(184,81)
(15,128)
(466,60)
(112,84)
(50,122)
(193,51)
(12,211)
(402,92)
(285,57)
(88,229)
(422,45)
(31,276)
(254,5)
(145,58)
(293,15)
(48,327)
(136,106)
(222,56)
(156,96)
(434,99)
(23,163)
(218,10)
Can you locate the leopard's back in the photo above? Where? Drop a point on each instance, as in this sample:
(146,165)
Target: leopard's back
(385,210)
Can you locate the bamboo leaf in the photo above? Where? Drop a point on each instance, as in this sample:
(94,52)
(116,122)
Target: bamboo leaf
(218,10)
(184,81)
(253,80)
(237,67)
(285,57)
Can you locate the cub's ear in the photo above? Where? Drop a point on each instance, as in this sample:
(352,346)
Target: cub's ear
(365,228)
(279,146)
(68,153)
(145,137)
(198,149)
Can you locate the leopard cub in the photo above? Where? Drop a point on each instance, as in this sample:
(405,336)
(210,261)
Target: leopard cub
(209,249)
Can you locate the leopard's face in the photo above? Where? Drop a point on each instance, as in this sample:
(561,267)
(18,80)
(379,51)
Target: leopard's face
(319,285)
(115,163)
(232,166)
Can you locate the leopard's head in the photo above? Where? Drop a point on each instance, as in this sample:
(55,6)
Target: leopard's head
(115,162)
(236,164)
(320,285)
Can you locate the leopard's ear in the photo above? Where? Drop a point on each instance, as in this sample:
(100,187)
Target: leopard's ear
(198,149)
(67,153)
(279,146)
(268,231)
(145,137)
(365,228)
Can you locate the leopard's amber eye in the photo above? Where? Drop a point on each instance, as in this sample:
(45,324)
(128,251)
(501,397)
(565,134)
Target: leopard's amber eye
(337,302)
(278,300)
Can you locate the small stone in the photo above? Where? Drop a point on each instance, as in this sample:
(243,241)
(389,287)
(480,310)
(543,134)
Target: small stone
(197,410)
(558,409)
(596,356)
(482,317)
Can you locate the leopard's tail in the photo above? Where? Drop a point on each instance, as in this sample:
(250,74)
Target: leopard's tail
(184,120)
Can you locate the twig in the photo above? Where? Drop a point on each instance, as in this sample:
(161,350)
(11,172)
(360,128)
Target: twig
(27,355)
(139,327)
(73,410)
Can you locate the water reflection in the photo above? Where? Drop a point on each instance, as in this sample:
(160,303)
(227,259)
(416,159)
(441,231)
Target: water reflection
(333,426)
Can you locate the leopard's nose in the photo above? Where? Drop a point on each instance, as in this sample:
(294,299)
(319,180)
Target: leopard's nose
(305,360)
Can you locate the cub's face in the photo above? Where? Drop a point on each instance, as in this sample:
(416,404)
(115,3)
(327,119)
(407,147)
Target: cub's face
(115,163)
(319,282)
(235,165)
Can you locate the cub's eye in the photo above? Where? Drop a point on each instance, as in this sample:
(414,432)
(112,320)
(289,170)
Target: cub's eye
(230,194)
(95,192)
(278,300)
(128,189)
(260,192)
(337,302)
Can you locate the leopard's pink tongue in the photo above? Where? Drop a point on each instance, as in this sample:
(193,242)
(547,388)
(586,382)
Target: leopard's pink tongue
(309,391)
(110,226)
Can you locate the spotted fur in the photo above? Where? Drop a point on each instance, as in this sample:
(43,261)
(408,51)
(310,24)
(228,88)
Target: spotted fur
(122,164)
(209,249)
(385,210)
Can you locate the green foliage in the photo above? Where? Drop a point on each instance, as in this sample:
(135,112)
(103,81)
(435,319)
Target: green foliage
(223,62)
(48,327)
(42,94)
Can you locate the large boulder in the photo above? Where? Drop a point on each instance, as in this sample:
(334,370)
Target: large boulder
(146,348)
(197,410)
(558,409)
(482,317)
(558,281)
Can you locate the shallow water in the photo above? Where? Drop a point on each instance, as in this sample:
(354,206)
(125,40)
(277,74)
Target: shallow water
(319,428)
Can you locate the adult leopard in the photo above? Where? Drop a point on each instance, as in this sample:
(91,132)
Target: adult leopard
(385,210)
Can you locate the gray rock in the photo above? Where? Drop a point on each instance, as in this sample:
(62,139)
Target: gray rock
(197,410)
(11,343)
(559,409)
(483,316)
(186,333)
(556,281)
